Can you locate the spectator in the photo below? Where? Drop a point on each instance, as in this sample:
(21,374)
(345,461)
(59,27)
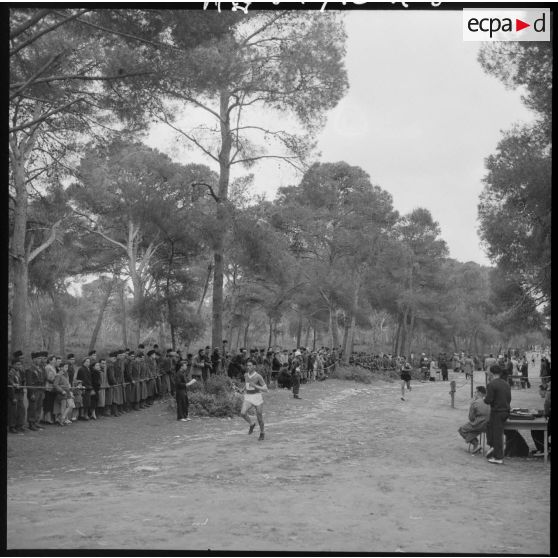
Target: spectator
(479,414)
(84,376)
(48,403)
(16,407)
(498,396)
(524,370)
(538,435)
(63,401)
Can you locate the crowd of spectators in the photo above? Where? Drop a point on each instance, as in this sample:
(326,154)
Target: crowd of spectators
(50,390)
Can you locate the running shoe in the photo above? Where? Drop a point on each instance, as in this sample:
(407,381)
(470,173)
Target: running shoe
(497,461)
(261,437)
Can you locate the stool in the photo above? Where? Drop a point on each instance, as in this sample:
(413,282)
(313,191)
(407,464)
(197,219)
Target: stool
(482,443)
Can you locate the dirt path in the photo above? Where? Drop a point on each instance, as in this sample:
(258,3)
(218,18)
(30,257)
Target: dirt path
(350,467)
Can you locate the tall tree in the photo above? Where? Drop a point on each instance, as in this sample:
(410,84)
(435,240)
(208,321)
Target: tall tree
(287,62)
(514,208)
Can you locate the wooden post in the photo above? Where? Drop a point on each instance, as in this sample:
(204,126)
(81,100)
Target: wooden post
(452,393)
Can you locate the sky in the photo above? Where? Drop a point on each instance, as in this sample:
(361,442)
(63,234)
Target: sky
(420,117)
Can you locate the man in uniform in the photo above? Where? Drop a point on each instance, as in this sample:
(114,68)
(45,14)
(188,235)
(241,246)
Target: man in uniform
(16,407)
(34,378)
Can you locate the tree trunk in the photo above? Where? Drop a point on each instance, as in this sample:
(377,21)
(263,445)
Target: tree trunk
(61,321)
(103,307)
(238,333)
(19,305)
(307,335)
(224,177)
(299,332)
(404,333)
(270,338)
(346,327)
(123,305)
(246,328)
(396,340)
(20,269)
(410,332)
(205,287)
(314,337)
(333,328)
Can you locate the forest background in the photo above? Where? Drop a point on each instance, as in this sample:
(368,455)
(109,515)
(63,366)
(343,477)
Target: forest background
(181,254)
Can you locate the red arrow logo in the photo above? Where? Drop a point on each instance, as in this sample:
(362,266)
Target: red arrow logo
(519,25)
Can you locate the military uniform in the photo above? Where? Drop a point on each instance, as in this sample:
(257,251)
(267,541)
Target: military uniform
(34,378)
(16,406)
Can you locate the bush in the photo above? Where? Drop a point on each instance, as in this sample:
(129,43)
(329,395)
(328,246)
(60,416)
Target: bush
(216,399)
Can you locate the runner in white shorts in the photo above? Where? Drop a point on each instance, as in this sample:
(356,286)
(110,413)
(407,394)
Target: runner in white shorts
(254,386)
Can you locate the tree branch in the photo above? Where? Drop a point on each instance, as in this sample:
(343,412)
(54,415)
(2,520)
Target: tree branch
(44,116)
(209,187)
(45,31)
(46,243)
(31,21)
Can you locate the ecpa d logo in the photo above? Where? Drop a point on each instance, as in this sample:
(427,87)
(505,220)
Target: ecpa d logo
(527,24)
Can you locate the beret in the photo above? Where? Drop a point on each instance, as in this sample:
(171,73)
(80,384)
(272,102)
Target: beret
(152,351)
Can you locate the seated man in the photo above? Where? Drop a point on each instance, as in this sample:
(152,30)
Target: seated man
(479,413)
(538,435)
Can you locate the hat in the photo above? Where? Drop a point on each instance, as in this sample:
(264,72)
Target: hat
(139,353)
(152,351)
(71,355)
(18,354)
(35,354)
(113,354)
(93,352)
(44,353)
(173,354)
(297,353)
(141,346)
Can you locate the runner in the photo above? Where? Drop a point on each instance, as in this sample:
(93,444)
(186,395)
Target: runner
(253,397)
(405,379)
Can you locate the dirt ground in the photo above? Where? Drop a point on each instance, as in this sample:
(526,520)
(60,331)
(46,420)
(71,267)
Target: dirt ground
(349,467)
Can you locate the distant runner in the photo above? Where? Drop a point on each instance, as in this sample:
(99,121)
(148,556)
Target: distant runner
(405,379)
(255,385)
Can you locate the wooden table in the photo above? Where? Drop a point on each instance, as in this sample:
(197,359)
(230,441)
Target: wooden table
(536,424)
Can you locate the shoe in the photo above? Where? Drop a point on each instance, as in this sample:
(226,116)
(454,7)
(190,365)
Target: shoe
(402,399)
(261,437)
(476,449)
(497,461)
(538,454)
(251,429)
(489,452)
(34,428)
(67,421)
(187,418)
(182,420)
(297,397)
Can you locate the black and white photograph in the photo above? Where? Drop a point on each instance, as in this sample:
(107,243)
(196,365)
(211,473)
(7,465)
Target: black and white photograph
(279,278)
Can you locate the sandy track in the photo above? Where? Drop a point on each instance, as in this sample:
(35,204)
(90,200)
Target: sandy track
(349,467)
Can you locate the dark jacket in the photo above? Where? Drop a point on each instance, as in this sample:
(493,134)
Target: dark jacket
(498,395)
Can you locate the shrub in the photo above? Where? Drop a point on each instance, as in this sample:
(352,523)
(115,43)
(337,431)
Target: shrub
(216,399)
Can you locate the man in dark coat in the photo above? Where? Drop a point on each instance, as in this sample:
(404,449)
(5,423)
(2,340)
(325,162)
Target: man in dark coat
(498,396)
(34,378)
(16,407)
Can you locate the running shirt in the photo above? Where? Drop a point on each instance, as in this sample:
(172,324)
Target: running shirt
(255,378)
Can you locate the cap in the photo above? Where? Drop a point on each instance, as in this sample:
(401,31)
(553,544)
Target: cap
(152,351)
(113,354)
(71,355)
(18,354)
(35,354)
